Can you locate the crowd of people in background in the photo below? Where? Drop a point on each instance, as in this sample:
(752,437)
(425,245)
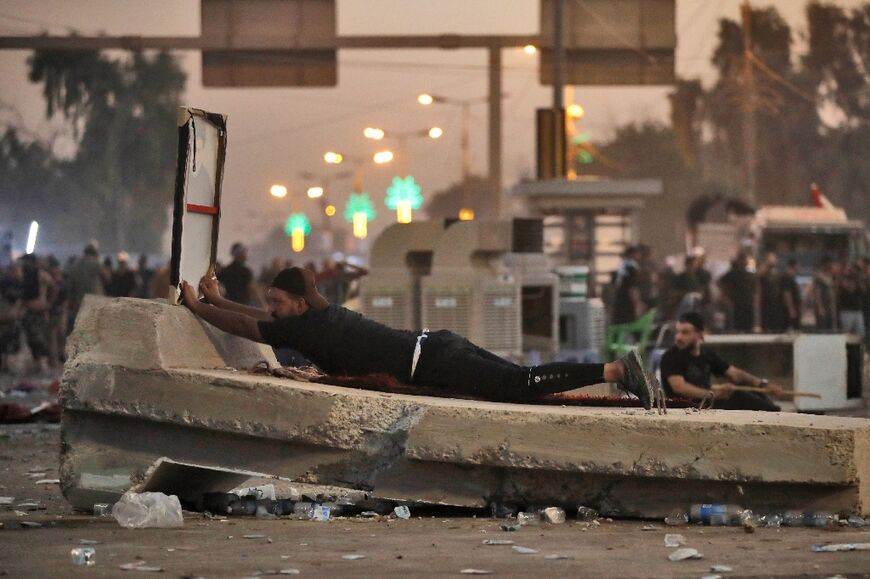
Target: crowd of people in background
(40,297)
(748,297)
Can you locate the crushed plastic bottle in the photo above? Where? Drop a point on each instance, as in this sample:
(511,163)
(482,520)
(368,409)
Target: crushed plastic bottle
(676,518)
(554,515)
(320,513)
(586,514)
(527,518)
(716,514)
(855,521)
(402,512)
(102,509)
(86,556)
(148,510)
(772,520)
(817,519)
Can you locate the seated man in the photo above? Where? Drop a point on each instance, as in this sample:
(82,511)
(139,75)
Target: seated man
(686,368)
(343,342)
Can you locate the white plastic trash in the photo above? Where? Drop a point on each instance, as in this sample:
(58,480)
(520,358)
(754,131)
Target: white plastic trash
(148,510)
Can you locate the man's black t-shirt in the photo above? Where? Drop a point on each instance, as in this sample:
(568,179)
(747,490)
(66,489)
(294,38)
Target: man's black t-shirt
(695,370)
(343,342)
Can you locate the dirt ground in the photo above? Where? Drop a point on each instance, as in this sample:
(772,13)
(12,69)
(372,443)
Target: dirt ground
(419,546)
(440,545)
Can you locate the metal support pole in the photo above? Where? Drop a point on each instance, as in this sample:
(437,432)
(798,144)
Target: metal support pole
(465,144)
(558,56)
(495,128)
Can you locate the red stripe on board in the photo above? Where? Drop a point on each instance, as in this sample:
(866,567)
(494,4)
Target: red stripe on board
(202,209)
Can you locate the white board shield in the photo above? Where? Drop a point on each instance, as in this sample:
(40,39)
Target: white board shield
(202,145)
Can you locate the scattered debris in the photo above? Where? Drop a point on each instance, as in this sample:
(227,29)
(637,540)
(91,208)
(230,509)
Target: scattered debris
(528,518)
(685,553)
(508,528)
(712,576)
(319,513)
(6,501)
(837,547)
(720,569)
(141,566)
(402,512)
(586,513)
(89,542)
(557,557)
(855,521)
(148,510)
(498,542)
(674,540)
(254,536)
(555,515)
(271,572)
(30,524)
(259,492)
(523,550)
(476,572)
(650,528)
(30,506)
(48,481)
(772,521)
(353,557)
(86,556)
(102,509)
(677,518)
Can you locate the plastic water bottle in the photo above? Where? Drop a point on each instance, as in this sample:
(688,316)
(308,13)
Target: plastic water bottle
(83,556)
(799,519)
(586,514)
(528,518)
(716,514)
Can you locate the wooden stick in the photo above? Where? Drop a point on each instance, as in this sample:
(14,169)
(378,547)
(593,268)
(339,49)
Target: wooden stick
(793,393)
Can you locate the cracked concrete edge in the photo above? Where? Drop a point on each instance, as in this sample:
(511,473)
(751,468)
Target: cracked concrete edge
(106,456)
(604,441)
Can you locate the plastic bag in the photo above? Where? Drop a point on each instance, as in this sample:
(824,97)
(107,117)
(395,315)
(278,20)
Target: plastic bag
(148,510)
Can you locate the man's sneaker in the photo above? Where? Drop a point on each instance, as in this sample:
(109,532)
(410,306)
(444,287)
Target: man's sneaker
(634,380)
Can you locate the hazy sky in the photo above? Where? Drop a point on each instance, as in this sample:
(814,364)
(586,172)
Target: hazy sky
(276,133)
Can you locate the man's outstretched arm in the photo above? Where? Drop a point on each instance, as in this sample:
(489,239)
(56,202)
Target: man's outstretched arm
(686,389)
(235,323)
(211,290)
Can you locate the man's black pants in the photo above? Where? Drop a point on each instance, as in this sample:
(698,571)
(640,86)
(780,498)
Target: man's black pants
(742,400)
(451,362)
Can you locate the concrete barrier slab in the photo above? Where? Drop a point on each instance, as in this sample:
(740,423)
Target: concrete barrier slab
(125,406)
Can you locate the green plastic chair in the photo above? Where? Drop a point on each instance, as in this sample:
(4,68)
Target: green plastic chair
(621,339)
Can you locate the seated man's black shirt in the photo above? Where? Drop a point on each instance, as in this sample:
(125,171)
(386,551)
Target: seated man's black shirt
(696,370)
(343,342)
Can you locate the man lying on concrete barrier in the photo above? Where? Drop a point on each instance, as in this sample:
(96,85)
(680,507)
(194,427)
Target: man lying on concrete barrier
(687,366)
(343,342)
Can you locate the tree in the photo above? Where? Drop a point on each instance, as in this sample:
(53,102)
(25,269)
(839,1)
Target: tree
(124,114)
(446,203)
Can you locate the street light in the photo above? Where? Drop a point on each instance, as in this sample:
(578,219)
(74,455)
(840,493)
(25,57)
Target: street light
(575,111)
(436,132)
(530,49)
(333,158)
(382,157)
(425,99)
(315,192)
(373,133)
(278,191)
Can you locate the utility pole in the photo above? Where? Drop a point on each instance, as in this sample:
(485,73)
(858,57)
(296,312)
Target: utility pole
(495,131)
(558,58)
(749,107)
